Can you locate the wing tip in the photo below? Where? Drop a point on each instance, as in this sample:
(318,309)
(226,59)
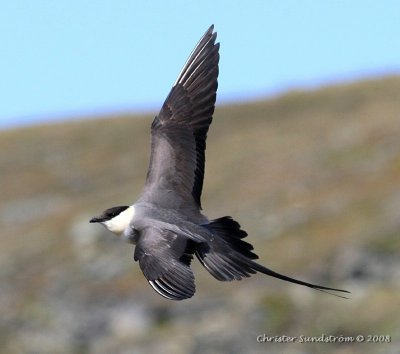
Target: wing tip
(209,36)
(168,292)
(210,30)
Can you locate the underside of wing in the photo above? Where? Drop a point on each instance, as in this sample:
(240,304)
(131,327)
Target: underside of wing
(164,258)
(179,132)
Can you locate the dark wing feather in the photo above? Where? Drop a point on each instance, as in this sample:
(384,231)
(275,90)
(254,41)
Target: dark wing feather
(164,258)
(179,132)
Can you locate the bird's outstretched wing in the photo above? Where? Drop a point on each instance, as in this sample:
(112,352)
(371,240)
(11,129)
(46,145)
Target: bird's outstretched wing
(179,132)
(164,258)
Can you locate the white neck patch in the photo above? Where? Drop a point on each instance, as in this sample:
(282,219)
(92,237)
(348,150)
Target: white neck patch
(119,223)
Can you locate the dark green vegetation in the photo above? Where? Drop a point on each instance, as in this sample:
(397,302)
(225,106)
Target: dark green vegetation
(314,177)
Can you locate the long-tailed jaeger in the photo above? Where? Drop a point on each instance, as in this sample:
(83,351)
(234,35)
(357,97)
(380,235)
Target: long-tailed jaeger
(166,223)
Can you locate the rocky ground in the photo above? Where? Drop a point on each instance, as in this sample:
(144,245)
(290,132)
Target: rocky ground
(314,177)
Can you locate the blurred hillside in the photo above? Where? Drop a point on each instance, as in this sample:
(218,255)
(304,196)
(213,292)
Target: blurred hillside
(314,177)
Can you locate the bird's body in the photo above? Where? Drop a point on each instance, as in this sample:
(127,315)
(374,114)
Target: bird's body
(166,223)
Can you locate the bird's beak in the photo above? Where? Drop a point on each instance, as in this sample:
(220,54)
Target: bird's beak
(95,219)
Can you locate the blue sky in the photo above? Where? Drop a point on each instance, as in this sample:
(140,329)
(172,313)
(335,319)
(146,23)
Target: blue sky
(61,59)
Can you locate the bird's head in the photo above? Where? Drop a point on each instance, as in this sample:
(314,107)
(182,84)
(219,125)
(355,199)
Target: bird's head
(115,219)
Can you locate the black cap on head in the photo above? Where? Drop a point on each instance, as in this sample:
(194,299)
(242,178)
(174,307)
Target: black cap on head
(108,214)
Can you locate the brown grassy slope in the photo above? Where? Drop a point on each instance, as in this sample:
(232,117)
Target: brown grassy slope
(314,177)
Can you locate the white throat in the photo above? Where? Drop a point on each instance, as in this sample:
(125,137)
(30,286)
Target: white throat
(119,223)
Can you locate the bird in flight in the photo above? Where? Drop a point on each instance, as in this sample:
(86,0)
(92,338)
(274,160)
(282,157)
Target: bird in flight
(166,223)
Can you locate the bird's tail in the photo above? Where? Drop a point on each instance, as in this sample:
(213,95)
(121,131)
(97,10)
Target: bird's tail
(228,257)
